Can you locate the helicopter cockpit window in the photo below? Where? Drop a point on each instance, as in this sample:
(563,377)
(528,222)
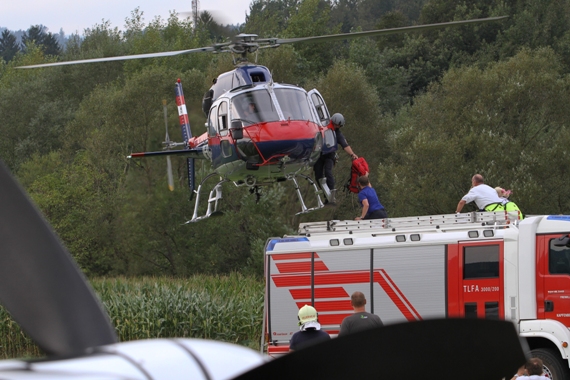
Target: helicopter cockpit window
(213,122)
(294,104)
(223,118)
(254,107)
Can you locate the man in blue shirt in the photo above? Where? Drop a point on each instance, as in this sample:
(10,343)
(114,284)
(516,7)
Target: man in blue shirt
(371,206)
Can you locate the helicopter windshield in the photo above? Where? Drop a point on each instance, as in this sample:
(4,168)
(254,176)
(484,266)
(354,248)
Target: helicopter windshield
(293,103)
(254,107)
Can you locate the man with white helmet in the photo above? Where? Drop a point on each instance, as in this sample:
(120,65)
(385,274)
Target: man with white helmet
(310,327)
(324,166)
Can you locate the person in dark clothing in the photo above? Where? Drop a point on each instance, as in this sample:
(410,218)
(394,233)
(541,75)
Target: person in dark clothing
(323,168)
(360,320)
(371,206)
(310,327)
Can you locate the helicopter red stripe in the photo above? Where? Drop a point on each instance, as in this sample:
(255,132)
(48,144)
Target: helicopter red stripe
(281,131)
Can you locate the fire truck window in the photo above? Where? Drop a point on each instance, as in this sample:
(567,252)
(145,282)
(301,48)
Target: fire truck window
(491,310)
(470,310)
(558,259)
(481,262)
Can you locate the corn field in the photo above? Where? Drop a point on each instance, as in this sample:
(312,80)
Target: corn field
(226,308)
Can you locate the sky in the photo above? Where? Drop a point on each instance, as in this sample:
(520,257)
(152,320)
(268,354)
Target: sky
(73,16)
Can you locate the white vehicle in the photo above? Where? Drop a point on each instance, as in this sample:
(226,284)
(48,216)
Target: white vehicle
(475,265)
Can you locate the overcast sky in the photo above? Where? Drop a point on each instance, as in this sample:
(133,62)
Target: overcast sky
(77,15)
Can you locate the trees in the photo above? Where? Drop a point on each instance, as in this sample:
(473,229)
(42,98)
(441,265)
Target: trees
(312,19)
(39,35)
(8,45)
(426,110)
(506,122)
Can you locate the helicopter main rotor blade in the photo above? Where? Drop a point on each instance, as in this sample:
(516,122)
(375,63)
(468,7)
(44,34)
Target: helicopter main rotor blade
(40,284)
(380,32)
(127,57)
(250,43)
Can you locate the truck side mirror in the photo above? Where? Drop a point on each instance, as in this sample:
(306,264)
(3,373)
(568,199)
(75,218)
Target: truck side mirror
(562,241)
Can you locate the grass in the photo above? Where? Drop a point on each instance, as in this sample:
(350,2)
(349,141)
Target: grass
(225,308)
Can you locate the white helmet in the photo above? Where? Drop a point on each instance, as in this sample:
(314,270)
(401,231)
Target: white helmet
(337,119)
(308,318)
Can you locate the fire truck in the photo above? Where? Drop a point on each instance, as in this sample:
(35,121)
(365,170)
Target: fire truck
(471,265)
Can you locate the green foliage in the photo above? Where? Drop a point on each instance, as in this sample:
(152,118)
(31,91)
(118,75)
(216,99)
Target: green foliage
(269,17)
(77,199)
(507,122)
(38,35)
(312,19)
(224,308)
(8,46)
(421,107)
(391,82)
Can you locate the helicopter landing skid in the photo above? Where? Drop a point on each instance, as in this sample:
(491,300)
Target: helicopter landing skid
(213,198)
(304,208)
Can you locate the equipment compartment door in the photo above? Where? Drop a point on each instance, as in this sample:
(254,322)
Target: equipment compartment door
(553,279)
(477,291)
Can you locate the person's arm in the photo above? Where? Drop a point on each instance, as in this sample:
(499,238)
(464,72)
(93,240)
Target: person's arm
(365,207)
(460,206)
(348,150)
(343,329)
(520,372)
(342,141)
(292,344)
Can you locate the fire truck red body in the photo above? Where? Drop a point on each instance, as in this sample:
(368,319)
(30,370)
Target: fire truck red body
(476,265)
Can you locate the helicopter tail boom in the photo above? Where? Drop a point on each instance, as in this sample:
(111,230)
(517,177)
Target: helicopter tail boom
(191,153)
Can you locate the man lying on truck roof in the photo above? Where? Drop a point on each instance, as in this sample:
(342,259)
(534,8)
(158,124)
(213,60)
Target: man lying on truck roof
(486,198)
(480,193)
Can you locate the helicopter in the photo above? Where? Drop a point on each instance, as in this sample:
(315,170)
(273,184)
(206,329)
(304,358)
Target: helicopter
(47,295)
(258,131)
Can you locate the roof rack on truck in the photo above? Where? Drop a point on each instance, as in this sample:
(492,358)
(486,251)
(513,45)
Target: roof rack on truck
(496,219)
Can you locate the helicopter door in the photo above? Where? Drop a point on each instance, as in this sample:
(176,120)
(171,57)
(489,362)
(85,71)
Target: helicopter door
(212,122)
(320,107)
(226,141)
(223,119)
